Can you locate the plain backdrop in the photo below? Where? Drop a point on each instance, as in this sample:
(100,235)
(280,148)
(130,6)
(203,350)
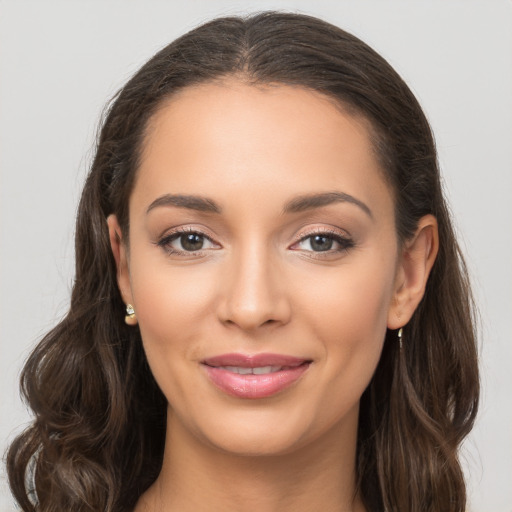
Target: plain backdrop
(60,61)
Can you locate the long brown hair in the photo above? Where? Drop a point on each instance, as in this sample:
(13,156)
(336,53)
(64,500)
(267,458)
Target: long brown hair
(96,443)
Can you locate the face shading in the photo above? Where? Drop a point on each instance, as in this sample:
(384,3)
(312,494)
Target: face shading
(262,264)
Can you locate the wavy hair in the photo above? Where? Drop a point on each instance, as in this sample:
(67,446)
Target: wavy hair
(96,442)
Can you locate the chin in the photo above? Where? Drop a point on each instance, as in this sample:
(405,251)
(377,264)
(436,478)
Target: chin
(270,431)
(256,444)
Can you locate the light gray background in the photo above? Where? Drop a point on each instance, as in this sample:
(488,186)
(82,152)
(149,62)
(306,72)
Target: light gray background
(61,60)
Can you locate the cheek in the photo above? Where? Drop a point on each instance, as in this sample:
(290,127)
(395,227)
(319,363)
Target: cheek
(168,297)
(348,313)
(350,302)
(172,306)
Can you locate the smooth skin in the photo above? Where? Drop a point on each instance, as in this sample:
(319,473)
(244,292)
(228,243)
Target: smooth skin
(320,280)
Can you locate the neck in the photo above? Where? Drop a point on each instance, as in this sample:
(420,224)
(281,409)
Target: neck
(197,477)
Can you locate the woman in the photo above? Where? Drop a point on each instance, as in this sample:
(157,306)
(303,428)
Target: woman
(270,307)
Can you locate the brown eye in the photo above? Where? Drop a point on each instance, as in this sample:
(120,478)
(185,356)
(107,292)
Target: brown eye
(185,242)
(324,242)
(321,243)
(191,241)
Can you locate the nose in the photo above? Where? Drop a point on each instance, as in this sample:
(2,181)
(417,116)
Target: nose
(253,292)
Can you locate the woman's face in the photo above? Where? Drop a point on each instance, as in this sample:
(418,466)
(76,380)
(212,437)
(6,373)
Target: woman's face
(262,264)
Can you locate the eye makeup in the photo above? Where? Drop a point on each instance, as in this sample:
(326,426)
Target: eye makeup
(189,241)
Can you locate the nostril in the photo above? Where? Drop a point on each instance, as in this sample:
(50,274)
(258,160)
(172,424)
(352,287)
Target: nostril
(252,302)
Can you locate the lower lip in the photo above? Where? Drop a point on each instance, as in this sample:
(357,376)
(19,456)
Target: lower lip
(254,386)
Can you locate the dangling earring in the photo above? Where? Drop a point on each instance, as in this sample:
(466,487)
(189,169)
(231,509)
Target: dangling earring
(400,333)
(130,317)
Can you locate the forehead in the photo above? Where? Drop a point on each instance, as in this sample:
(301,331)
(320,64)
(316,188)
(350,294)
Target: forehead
(232,138)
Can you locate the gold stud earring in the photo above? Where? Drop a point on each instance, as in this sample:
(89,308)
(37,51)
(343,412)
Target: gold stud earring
(400,333)
(130,318)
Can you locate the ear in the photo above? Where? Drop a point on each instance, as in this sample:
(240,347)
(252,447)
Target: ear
(120,256)
(414,266)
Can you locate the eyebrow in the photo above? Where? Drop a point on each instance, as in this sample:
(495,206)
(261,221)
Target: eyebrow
(198,203)
(310,201)
(296,205)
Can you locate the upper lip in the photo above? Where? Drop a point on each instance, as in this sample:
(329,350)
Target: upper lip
(254,360)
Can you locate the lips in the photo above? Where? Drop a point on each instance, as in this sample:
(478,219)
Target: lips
(254,376)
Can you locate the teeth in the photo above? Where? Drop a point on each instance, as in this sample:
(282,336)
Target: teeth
(263,369)
(260,370)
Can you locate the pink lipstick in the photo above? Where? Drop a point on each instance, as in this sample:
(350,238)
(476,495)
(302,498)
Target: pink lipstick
(254,376)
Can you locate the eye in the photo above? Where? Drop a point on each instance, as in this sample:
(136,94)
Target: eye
(186,241)
(317,243)
(326,242)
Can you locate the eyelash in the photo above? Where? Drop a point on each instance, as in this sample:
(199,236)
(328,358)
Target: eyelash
(345,242)
(165,242)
